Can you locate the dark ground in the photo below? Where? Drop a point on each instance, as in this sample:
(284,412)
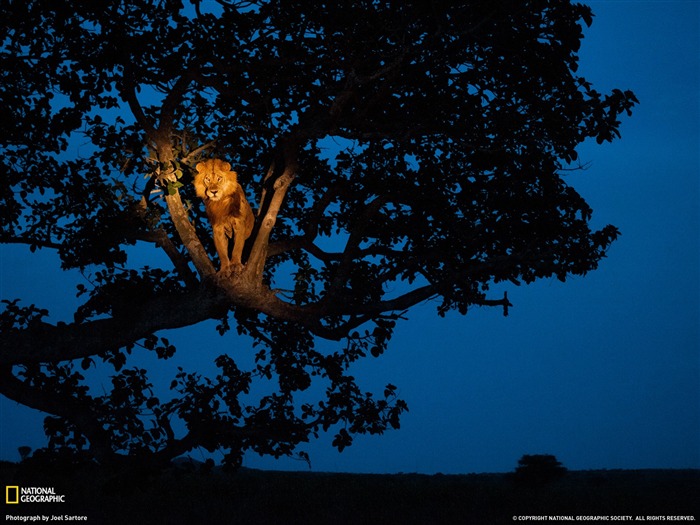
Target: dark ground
(188,496)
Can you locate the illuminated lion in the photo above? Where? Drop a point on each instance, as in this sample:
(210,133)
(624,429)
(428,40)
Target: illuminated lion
(227,208)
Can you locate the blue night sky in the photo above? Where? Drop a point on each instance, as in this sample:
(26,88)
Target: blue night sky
(601,371)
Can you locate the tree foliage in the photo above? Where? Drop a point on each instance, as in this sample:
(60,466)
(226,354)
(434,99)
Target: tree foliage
(394,152)
(538,469)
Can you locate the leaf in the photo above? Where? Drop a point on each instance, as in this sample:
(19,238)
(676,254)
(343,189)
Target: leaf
(173,187)
(342,440)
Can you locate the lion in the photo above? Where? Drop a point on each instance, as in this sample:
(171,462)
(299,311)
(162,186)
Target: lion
(227,208)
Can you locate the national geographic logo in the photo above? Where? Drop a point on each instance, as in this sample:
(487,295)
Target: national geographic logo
(15,495)
(11,495)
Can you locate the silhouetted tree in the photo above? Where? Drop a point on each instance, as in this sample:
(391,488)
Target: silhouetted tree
(24,452)
(538,469)
(394,152)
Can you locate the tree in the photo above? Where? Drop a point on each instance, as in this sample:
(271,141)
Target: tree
(394,152)
(538,469)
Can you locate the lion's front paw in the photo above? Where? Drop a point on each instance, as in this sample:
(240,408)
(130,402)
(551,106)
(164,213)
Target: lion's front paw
(230,269)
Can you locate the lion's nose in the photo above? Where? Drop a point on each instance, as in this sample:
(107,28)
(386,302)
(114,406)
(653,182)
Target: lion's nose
(213,192)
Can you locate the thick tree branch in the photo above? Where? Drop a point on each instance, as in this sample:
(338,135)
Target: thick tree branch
(43,342)
(189,237)
(270,209)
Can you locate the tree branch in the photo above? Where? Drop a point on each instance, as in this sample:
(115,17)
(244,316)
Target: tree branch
(31,241)
(129,95)
(305,241)
(57,404)
(351,247)
(188,159)
(172,100)
(189,237)
(270,210)
(505,303)
(161,239)
(44,342)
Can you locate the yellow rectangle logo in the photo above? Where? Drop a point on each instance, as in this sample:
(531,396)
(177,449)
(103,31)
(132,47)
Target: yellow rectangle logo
(11,494)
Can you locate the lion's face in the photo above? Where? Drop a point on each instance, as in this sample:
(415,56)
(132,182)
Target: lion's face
(215,180)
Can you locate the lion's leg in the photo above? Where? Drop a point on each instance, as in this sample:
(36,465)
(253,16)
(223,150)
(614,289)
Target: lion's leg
(221,243)
(238,242)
